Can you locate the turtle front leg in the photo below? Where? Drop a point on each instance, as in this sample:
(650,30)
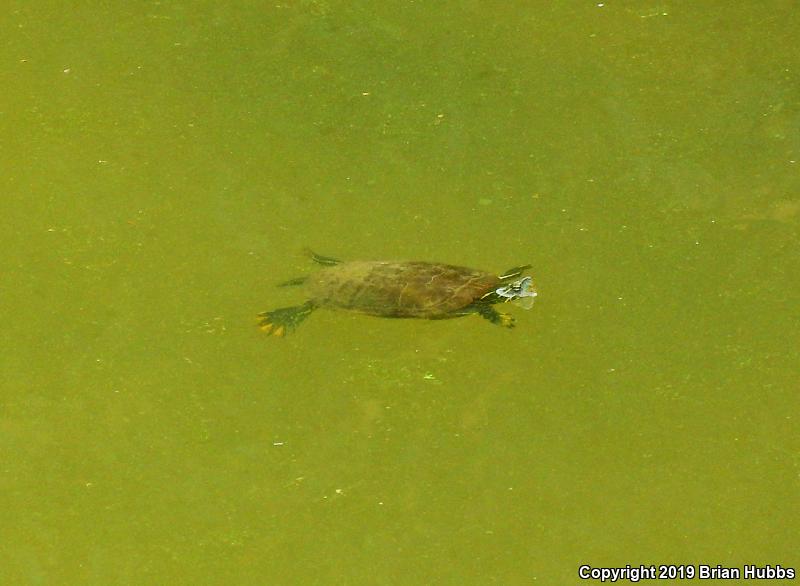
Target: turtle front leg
(489,312)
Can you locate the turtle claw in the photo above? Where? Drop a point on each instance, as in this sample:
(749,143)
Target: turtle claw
(506,320)
(271,329)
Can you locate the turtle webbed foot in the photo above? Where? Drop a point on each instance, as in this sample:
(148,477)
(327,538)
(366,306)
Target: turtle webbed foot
(506,320)
(280,321)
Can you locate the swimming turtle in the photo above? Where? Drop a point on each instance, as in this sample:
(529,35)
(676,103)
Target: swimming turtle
(427,290)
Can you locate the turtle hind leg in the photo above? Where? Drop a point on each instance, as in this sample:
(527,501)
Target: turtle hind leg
(279,322)
(327,261)
(486,311)
(293,282)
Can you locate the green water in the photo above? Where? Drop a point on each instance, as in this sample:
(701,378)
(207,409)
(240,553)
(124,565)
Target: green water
(163,166)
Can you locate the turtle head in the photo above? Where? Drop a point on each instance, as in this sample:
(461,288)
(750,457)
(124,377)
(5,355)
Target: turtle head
(521,291)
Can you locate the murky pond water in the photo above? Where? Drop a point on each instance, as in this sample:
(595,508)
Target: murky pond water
(165,164)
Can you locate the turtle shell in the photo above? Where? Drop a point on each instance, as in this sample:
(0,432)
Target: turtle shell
(399,289)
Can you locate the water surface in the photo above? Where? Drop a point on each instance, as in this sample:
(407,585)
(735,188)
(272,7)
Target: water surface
(165,164)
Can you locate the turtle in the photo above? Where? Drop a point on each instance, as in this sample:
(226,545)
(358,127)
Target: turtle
(402,289)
